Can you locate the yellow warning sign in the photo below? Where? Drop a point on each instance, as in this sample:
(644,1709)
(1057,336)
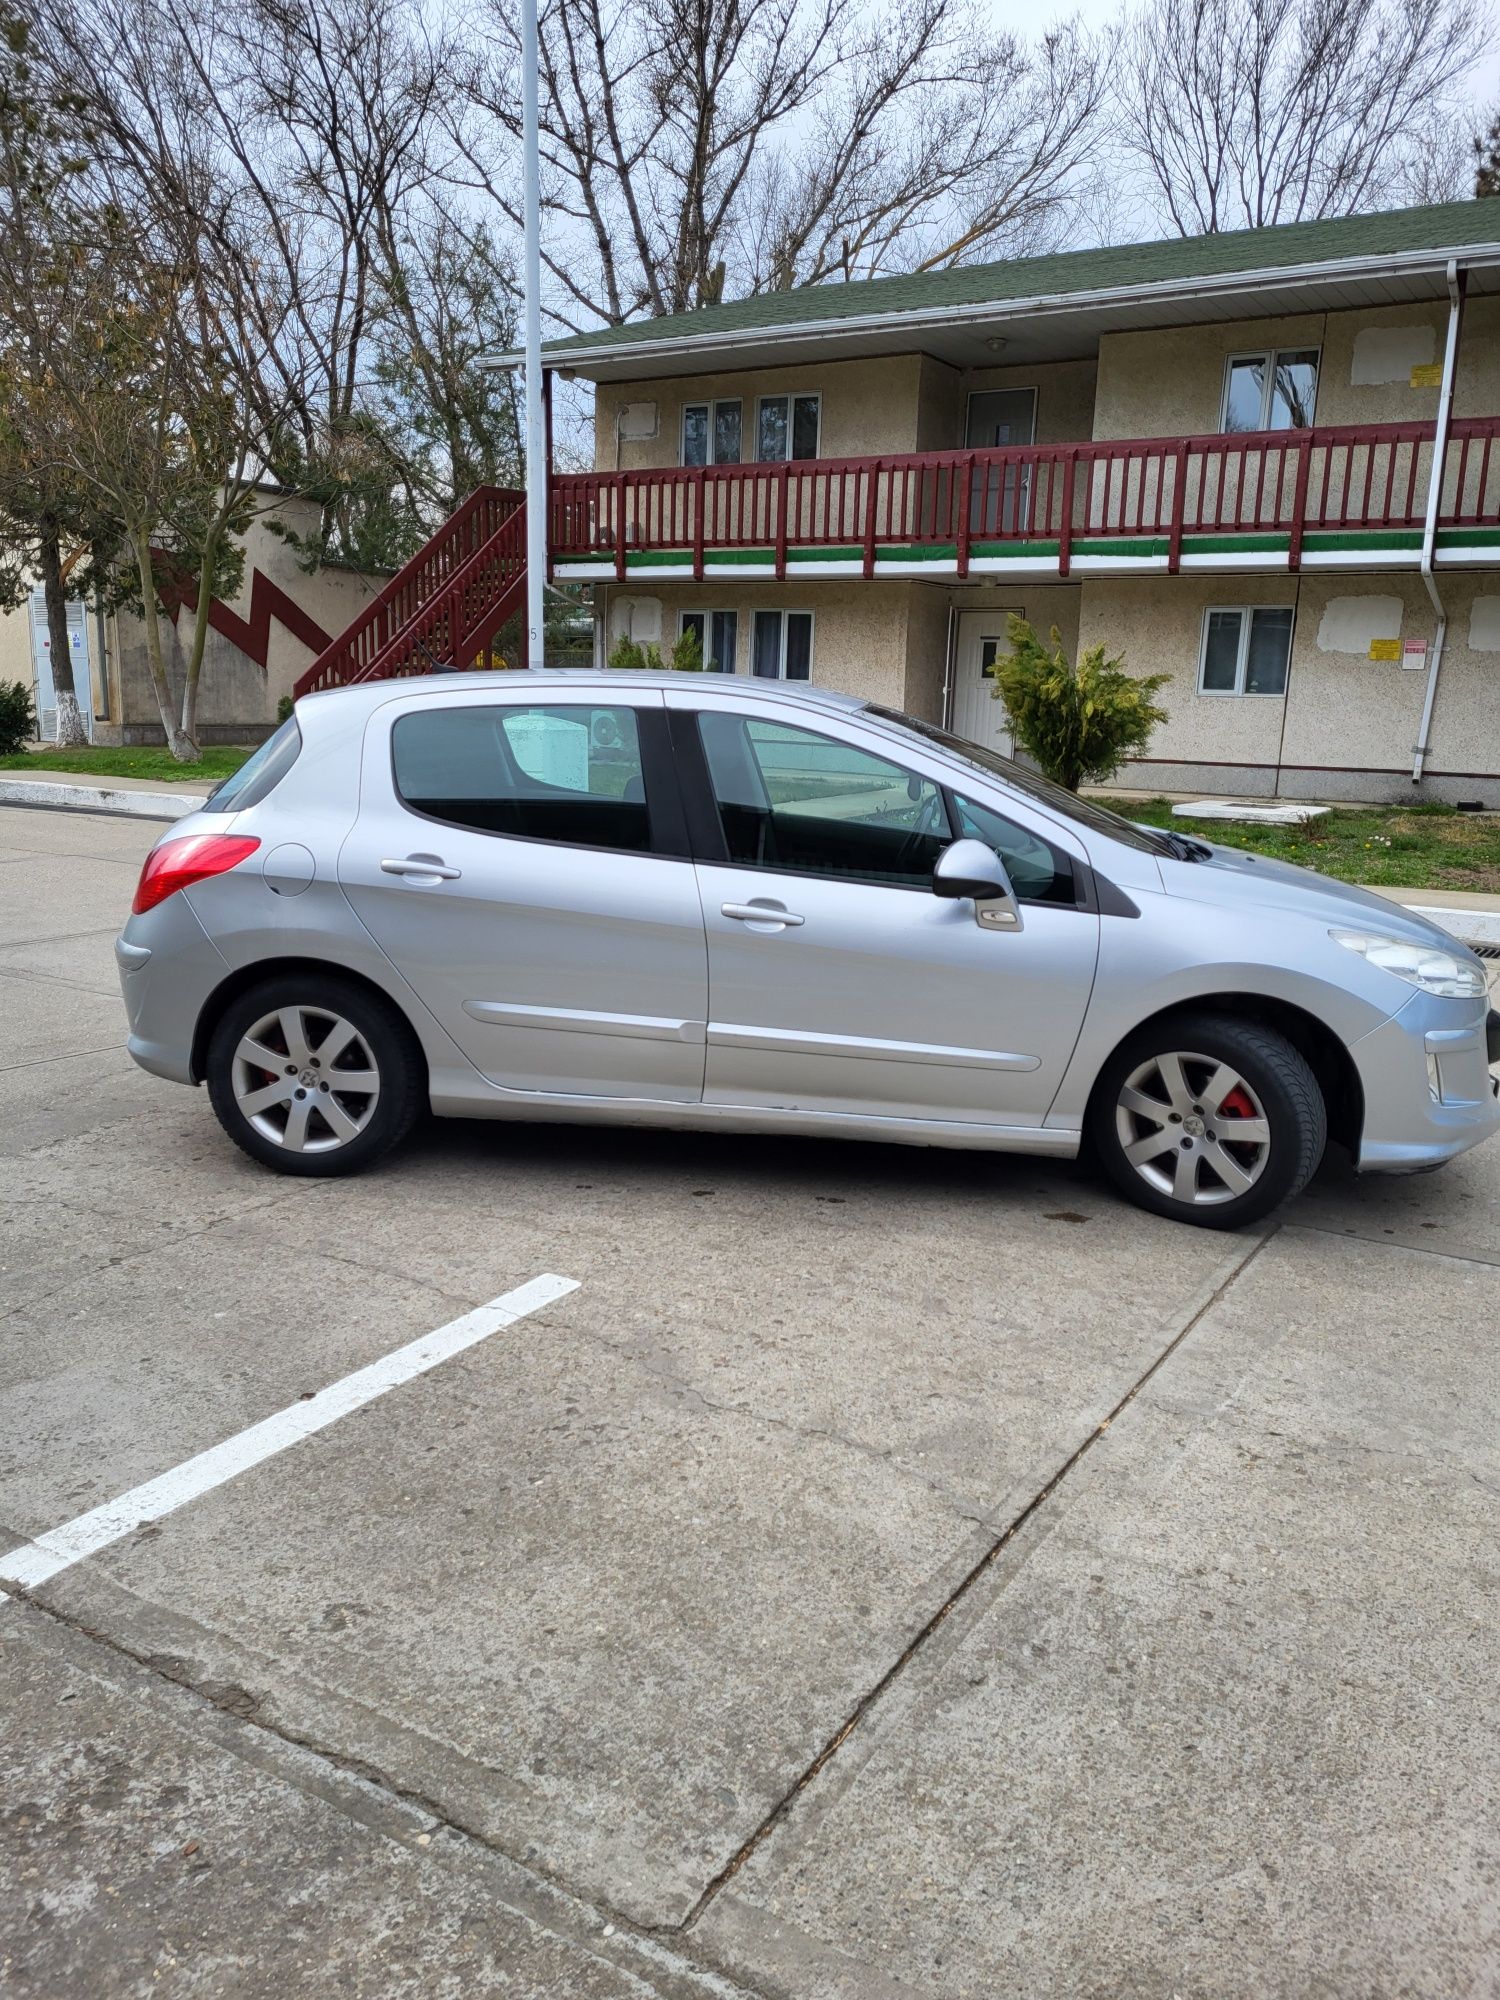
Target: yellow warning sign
(1427,375)
(1385,649)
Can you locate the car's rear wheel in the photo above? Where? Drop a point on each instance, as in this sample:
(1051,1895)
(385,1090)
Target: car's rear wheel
(1208,1119)
(312,1074)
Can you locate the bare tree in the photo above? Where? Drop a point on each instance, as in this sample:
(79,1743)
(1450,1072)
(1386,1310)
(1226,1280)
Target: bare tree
(298,148)
(698,149)
(1242,113)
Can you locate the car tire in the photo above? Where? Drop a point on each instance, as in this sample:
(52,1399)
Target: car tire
(1208,1119)
(314,1075)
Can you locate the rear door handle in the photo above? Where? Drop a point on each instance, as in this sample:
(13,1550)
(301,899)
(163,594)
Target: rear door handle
(761,913)
(427,867)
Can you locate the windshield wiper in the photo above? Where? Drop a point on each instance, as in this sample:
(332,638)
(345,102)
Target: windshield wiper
(1184,846)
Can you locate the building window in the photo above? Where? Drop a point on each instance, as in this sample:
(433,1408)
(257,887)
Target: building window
(718,635)
(711,433)
(783,645)
(787,427)
(1246,650)
(1276,390)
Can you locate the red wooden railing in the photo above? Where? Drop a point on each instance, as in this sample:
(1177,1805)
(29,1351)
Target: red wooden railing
(1368,476)
(450,599)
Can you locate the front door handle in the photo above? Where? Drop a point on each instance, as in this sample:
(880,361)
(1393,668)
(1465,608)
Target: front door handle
(425,867)
(761,913)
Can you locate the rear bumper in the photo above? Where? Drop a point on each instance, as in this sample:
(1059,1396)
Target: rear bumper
(168,968)
(1429,1093)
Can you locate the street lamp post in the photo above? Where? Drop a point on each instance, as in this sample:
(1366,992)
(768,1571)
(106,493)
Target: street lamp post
(536,439)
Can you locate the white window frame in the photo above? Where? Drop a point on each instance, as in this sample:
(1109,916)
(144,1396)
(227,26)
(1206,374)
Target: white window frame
(1239,692)
(783,612)
(708,615)
(1268,384)
(788,396)
(713,404)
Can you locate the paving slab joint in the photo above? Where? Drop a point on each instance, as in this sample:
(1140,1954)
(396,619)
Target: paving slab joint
(966,1584)
(243,1708)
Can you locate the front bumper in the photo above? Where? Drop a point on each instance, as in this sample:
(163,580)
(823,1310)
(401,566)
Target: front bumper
(1429,1094)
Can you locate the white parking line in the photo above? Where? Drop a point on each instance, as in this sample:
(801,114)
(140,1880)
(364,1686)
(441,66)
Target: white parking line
(36,1561)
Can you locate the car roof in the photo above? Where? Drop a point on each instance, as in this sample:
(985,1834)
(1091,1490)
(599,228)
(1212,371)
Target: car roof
(372,693)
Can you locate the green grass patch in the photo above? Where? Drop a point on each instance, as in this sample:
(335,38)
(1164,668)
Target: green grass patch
(1385,847)
(136,761)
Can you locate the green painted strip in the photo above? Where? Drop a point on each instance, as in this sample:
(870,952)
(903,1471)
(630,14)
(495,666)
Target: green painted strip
(1220,545)
(1020,551)
(1362,538)
(1122,545)
(941,554)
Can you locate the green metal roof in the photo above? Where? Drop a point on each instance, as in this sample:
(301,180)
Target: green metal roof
(1402,232)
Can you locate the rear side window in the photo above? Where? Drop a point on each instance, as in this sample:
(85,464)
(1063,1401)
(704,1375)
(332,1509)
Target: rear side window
(259,775)
(566,774)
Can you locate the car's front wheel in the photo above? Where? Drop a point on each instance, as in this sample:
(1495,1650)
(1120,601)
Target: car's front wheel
(1208,1119)
(312,1074)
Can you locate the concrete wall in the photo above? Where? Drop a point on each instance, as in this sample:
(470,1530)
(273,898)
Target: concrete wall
(1168,381)
(1347,724)
(237,696)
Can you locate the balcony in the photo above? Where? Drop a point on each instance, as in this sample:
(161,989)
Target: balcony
(1274,501)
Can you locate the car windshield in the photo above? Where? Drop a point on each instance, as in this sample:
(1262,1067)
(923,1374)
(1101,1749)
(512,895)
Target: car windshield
(1066,804)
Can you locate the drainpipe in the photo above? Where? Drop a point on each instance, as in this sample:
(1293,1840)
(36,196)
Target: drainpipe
(946,718)
(1457,282)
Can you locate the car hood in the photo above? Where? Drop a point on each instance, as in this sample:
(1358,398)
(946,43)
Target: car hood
(1230,876)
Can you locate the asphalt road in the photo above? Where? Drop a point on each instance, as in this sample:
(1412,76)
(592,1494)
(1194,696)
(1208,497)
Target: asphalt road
(885,1573)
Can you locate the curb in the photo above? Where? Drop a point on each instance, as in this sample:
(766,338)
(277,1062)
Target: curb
(1470,927)
(99,799)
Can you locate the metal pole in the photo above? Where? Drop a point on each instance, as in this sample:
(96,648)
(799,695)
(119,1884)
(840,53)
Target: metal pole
(536,437)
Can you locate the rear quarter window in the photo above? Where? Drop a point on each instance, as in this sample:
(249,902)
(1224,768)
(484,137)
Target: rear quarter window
(259,775)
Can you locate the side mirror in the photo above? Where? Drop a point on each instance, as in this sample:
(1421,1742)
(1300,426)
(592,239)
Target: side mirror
(969,868)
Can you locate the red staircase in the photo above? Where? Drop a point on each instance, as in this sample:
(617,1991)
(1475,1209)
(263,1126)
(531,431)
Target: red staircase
(444,608)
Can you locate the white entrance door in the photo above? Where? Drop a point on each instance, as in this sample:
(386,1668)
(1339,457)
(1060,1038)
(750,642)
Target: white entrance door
(978,713)
(41,653)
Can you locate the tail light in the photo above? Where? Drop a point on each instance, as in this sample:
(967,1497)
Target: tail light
(177,864)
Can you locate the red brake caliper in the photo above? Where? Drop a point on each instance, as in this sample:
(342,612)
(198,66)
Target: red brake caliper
(1238,1103)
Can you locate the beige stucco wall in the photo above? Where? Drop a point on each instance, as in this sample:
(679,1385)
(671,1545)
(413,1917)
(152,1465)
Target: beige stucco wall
(1064,400)
(867,406)
(1167,381)
(859,629)
(1345,719)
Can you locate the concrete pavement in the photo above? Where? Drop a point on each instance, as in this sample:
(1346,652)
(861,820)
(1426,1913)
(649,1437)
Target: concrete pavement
(889,1572)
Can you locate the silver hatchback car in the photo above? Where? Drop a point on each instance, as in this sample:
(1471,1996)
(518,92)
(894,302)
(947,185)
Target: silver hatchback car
(701,901)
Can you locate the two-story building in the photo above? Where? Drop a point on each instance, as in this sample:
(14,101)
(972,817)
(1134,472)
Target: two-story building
(1266,463)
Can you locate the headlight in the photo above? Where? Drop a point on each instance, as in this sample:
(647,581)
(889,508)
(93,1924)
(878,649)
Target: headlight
(1425,965)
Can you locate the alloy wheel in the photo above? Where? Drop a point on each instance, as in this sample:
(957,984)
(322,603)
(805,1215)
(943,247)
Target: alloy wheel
(305,1079)
(1192,1128)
